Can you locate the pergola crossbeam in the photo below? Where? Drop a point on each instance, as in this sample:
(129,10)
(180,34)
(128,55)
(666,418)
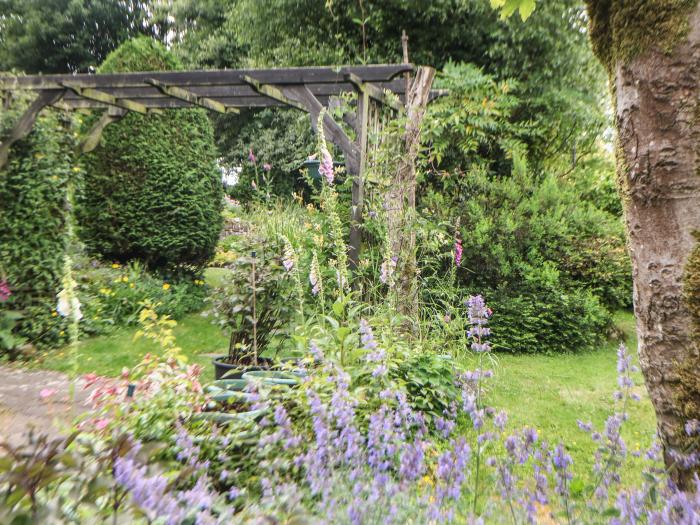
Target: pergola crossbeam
(192,98)
(106,98)
(272,92)
(373,91)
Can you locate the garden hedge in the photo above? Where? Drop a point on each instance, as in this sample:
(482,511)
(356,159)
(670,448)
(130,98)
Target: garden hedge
(152,190)
(32,219)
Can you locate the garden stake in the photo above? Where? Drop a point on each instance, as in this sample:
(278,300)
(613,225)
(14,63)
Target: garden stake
(255,318)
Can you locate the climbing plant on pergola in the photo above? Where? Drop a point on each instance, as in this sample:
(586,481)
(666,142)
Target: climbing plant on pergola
(310,89)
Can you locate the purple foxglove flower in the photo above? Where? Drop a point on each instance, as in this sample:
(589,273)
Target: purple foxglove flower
(5,291)
(267,166)
(458,252)
(326,167)
(251,155)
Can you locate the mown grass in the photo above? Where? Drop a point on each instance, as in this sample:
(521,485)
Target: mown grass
(551,393)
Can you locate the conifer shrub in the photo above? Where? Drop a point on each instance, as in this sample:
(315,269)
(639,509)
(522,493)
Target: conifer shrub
(32,220)
(152,190)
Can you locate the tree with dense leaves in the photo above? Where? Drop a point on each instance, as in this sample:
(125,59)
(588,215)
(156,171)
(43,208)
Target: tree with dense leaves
(59,36)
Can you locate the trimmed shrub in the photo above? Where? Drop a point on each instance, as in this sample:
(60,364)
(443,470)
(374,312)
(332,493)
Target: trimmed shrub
(32,220)
(152,189)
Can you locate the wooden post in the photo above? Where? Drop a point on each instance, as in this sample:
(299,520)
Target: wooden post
(400,201)
(355,244)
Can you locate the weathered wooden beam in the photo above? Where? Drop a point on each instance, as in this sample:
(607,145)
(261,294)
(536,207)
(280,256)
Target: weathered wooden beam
(273,92)
(283,76)
(26,122)
(192,98)
(92,139)
(357,192)
(217,92)
(332,130)
(106,98)
(373,91)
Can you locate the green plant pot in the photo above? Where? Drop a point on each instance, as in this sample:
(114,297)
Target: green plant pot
(237,385)
(224,370)
(272,377)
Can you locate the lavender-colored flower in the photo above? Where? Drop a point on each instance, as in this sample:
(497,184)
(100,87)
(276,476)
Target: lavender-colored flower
(267,166)
(251,156)
(478,315)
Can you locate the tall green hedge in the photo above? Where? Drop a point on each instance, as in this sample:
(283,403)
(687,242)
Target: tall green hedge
(32,219)
(152,190)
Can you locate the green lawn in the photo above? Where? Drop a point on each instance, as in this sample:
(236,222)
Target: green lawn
(552,392)
(107,355)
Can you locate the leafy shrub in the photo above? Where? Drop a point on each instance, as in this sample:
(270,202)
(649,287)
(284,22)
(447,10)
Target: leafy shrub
(152,189)
(552,263)
(115,295)
(255,292)
(32,219)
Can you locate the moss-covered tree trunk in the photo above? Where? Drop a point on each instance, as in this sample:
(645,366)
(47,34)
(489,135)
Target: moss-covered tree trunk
(652,50)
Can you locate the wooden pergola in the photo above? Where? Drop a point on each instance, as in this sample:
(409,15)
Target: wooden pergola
(310,89)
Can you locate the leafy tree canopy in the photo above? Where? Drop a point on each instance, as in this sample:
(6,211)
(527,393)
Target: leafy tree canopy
(58,36)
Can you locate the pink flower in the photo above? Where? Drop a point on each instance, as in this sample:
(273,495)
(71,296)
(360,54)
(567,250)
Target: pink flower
(326,168)
(101,423)
(46,393)
(267,166)
(5,291)
(458,252)
(251,155)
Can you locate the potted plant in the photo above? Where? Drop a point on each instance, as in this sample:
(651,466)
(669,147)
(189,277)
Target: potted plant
(253,305)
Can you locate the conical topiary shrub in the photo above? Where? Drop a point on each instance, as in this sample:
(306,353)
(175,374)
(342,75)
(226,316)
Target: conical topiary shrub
(152,189)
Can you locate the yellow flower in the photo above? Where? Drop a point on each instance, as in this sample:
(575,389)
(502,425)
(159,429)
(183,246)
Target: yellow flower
(116,265)
(166,286)
(61,333)
(131,285)
(125,279)
(76,169)
(54,313)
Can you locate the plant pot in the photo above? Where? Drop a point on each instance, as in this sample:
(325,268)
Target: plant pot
(224,370)
(272,377)
(237,385)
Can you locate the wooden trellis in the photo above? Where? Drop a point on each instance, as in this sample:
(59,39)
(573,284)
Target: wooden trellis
(309,89)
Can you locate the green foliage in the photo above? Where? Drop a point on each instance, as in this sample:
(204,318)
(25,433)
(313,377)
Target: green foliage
(548,263)
(548,319)
(152,190)
(58,36)
(256,292)
(471,127)
(280,138)
(429,380)
(114,296)
(32,219)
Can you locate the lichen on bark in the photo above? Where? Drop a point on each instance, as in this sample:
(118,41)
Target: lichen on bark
(621,30)
(691,287)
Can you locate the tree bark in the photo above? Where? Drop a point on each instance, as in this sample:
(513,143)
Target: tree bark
(400,200)
(657,95)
